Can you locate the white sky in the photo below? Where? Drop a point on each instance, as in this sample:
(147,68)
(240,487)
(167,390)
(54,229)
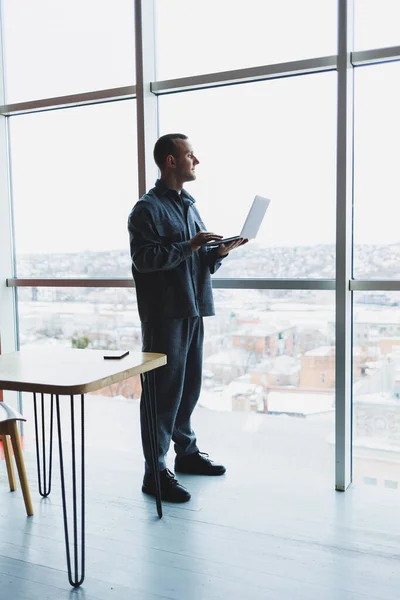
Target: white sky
(74,171)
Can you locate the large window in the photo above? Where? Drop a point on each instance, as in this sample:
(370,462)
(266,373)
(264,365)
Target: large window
(277,139)
(54,48)
(376,180)
(74,175)
(218,35)
(269,354)
(269,357)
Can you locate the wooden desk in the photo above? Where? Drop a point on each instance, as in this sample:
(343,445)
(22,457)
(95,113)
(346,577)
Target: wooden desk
(69,372)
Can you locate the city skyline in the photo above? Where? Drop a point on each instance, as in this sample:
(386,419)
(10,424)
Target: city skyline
(370,261)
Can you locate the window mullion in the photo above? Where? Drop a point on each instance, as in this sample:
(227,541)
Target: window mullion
(146,101)
(7,313)
(344,249)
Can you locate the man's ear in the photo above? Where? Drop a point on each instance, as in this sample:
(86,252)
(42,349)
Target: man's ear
(170,162)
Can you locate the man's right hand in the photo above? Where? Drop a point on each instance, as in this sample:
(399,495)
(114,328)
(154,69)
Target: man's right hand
(203,237)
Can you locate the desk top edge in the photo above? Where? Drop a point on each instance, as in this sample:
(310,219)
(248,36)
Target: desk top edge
(98,372)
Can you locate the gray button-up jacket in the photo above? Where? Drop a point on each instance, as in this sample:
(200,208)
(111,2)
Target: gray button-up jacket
(172,281)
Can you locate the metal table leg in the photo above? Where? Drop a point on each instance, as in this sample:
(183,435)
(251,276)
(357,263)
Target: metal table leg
(149,392)
(78,533)
(44,477)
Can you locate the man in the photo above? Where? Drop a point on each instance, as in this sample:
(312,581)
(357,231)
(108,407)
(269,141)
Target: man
(171,266)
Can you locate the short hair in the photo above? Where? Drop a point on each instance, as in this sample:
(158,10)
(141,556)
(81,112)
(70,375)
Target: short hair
(166,145)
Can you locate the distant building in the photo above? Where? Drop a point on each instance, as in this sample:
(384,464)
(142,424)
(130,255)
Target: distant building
(318,368)
(265,339)
(280,371)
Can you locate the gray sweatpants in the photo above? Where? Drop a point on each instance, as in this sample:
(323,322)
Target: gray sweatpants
(178,384)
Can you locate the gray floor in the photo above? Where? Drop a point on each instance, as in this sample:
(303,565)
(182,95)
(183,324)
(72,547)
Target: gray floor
(272,528)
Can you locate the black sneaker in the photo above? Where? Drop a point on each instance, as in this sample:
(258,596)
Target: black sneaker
(197,463)
(171,490)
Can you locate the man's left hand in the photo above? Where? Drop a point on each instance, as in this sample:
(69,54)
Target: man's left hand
(224,249)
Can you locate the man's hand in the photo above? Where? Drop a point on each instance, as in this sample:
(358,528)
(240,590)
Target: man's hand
(224,249)
(203,237)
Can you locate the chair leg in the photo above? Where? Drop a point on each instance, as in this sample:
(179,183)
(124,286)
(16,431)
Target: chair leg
(9,464)
(16,442)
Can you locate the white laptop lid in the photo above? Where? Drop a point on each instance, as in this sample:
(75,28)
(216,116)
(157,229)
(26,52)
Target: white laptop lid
(255,217)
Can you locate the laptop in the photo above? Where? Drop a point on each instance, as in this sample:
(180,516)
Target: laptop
(252,223)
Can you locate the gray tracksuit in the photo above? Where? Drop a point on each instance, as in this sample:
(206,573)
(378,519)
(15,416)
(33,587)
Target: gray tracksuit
(174,293)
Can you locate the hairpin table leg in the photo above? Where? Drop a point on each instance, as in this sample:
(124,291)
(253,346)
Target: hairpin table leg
(77,574)
(44,477)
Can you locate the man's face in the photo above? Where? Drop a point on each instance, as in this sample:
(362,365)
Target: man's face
(185,161)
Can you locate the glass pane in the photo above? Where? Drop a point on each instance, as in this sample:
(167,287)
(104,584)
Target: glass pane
(276,139)
(376,23)
(223,35)
(54,48)
(376,181)
(376,367)
(74,179)
(269,357)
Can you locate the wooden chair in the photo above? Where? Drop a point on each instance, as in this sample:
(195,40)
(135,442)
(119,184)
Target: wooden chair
(9,429)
